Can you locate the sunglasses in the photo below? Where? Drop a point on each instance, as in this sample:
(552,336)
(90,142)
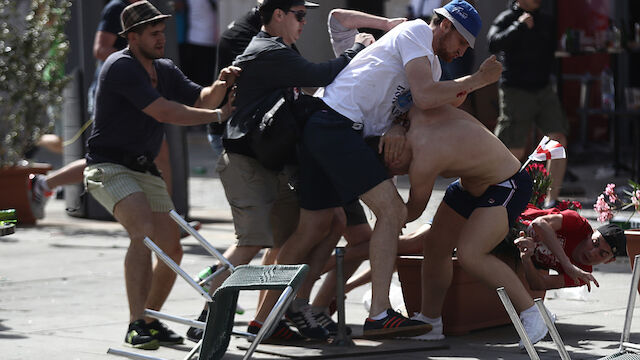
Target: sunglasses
(299,14)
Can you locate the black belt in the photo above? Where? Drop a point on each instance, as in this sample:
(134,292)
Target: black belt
(140,163)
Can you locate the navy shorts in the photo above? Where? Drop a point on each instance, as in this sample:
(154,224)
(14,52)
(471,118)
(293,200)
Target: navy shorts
(336,165)
(355,213)
(513,193)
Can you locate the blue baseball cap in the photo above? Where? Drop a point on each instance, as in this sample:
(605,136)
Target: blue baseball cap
(464,18)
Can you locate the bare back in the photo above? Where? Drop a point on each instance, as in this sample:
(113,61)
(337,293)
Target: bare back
(449,142)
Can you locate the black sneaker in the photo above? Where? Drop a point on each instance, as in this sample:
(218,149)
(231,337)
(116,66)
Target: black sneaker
(163,334)
(393,325)
(281,333)
(195,334)
(327,322)
(306,323)
(138,336)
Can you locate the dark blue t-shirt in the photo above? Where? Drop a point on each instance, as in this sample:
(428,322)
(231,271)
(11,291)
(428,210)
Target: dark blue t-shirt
(120,127)
(110,21)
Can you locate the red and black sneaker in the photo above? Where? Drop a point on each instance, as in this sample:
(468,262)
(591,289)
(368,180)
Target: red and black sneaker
(393,325)
(282,332)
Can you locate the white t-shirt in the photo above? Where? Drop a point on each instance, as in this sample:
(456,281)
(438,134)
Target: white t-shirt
(342,38)
(373,89)
(203,23)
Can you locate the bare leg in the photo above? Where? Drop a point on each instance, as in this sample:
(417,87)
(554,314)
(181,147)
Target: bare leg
(357,237)
(51,142)
(557,169)
(237,255)
(321,253)
(437,268)
(134,213)
(166,236)
(312,228)
(269,258)
(386,204)
(68,174)
(486,227)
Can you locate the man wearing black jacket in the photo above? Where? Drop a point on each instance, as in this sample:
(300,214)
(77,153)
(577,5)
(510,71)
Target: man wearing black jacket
(264,208)
(523,37)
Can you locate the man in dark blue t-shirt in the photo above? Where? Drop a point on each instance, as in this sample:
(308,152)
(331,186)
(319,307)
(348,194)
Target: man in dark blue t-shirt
(137,92)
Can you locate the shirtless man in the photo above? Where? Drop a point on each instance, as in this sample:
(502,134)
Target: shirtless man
(476,212)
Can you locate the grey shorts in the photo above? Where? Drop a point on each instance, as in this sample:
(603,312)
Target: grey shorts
(109,183)
(521,109)
(265,210)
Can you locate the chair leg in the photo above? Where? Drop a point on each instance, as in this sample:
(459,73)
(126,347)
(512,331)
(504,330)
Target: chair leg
(513,315)
(555,335)
(626,329)
(173,318)
(193,351)
(276,313)
(176,268)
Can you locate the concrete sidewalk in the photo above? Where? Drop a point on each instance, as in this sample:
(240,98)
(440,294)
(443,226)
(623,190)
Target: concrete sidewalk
(62,293)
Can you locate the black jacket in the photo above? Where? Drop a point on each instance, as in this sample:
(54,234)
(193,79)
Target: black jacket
(269,65)
(526,54)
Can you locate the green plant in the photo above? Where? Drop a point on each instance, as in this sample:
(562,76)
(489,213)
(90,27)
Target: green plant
(33,49)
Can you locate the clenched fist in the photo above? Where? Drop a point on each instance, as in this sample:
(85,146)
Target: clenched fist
(490,70)
(365,39)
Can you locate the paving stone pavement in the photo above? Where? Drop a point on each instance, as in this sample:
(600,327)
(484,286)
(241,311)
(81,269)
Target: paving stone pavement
(62,293)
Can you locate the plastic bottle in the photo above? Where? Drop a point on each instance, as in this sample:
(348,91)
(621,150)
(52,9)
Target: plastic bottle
(204,273)
(607,89)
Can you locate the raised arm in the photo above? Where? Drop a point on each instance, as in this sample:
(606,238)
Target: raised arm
(429,94)
(352,19)
(506,31)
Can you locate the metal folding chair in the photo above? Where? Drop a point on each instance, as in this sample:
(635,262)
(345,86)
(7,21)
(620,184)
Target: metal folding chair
(219,325)
(627,349)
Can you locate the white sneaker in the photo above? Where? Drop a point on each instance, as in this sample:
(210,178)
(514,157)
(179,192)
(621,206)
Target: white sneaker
(534,326)
(434,335)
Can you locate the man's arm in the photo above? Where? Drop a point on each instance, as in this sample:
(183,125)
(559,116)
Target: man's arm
(422,177)
(505,31)
(211,96)
(171,112)
(103,44)
(538,280)
(545,228)
(352,19)
(288,68)
(429,94)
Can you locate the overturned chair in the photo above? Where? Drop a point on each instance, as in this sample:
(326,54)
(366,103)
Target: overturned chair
(626,350)
(219,325)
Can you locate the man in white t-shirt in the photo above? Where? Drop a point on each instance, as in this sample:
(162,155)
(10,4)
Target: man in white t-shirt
(400,70)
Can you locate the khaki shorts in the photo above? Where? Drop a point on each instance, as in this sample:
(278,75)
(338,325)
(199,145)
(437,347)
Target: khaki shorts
(520,109)
(265,210)
(109,183)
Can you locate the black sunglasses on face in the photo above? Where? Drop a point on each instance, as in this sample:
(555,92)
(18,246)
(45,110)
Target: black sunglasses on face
(299,14)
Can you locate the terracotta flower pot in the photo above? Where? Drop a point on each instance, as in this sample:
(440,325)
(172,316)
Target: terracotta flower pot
(14,185)
(469,303)
(633,245)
